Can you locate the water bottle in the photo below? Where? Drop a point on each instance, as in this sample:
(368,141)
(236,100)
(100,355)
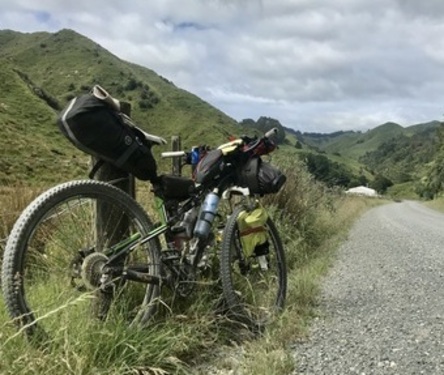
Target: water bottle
(206,215)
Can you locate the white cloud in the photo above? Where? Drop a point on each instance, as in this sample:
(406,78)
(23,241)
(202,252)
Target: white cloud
(316,65)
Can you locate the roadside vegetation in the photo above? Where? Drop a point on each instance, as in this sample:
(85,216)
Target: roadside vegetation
(436,204)
(194,336)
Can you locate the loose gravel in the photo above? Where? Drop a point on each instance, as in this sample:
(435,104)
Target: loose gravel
(382,306)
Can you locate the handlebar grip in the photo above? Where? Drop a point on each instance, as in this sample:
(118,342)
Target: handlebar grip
(173,154)
(271,133)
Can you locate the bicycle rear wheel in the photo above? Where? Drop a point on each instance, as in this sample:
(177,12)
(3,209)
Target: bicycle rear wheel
(51,273)
(254,286)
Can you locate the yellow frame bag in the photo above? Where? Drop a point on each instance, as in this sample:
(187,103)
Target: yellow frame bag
(252,229)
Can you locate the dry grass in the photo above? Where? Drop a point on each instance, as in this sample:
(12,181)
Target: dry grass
(13,200)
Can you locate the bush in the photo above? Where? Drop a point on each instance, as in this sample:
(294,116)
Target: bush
(381,184)
(131,84)
(145,104)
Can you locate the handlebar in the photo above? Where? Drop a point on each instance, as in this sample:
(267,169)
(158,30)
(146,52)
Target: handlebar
(271,133)
(263,145)
(173,154)
(259,146)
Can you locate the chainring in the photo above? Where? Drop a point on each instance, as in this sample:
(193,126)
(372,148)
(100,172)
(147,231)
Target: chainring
(186,281)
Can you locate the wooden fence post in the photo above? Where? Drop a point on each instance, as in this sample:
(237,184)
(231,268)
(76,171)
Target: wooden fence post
(176,145)
(110,225)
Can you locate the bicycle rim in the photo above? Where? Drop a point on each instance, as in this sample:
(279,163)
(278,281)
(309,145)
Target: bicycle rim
(52,266)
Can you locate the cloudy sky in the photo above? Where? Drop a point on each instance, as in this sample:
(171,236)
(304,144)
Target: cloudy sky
(315,65)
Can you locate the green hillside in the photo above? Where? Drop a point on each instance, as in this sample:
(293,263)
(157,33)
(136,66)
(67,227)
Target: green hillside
(42,71)
(403,155)
(32,148)
(428,126)
(353,144)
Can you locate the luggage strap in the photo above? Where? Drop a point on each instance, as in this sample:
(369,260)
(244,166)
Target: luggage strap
(128,152)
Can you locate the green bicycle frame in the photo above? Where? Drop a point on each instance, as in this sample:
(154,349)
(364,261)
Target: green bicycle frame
(127,245)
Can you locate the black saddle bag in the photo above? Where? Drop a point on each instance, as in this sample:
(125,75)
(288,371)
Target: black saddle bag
(98,127)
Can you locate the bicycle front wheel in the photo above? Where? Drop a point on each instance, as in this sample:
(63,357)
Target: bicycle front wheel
(254,285)
(54,257)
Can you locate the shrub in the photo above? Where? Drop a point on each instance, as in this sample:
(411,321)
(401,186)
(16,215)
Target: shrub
(131,84)
(300,201)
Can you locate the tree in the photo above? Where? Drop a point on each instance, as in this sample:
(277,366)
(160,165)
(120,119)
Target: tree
(381,184)
(327,171)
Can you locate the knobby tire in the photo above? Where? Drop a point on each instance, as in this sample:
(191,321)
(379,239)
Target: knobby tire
(43,286)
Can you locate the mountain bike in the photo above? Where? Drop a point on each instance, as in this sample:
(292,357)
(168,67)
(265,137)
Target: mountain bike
(61,262)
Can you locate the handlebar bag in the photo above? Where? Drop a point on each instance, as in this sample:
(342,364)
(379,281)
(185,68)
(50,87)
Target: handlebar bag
(209,167)
(260,177)
(101,130)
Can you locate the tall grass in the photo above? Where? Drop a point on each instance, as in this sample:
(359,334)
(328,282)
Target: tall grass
(193,336)
(13,200)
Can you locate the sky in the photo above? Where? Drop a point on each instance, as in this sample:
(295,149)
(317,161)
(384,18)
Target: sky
(314,65)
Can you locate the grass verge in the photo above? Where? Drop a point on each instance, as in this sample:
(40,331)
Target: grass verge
(312,223)
(436,204)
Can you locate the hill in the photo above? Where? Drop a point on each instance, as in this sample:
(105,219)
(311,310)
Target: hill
(405,157)
(379,148)
(352,144)
(41,72)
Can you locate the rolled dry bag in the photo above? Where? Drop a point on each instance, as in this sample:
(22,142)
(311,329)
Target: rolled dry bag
(94,124)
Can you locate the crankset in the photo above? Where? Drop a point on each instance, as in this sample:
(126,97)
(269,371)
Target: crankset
(179,274)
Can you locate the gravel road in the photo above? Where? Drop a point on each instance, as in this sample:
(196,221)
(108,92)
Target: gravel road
(382,305)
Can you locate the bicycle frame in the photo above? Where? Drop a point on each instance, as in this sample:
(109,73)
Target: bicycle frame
(126,246)
(113,267)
